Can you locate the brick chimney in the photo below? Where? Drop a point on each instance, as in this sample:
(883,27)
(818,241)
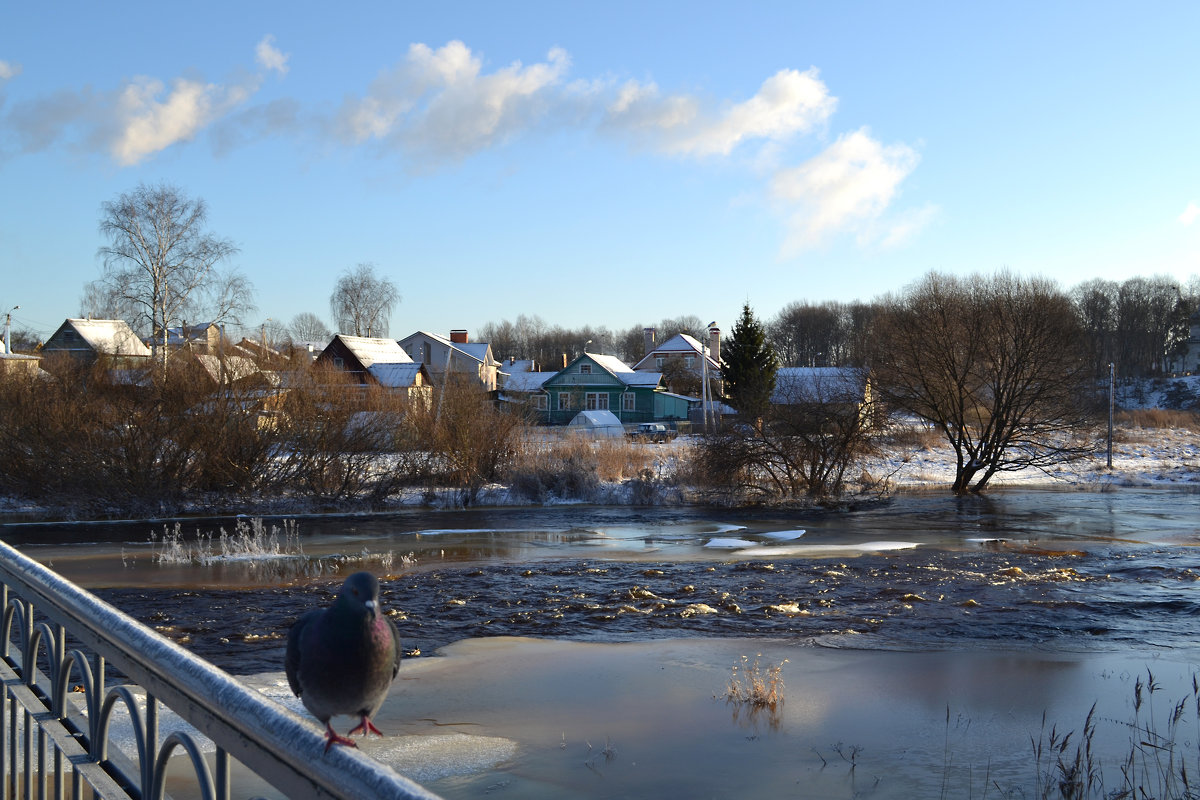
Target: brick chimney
(714,343)
(648,335)
(458,336)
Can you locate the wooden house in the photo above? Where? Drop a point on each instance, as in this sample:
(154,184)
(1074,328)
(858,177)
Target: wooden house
(89,339)
(835,387)
(455,353)
(594,382)
(377,362)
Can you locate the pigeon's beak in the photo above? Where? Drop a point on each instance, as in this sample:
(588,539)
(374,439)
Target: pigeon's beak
(373,607)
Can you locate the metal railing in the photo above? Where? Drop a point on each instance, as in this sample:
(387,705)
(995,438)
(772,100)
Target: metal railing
(52,745)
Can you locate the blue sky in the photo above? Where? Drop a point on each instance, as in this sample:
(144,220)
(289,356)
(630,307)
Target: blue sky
(605,163)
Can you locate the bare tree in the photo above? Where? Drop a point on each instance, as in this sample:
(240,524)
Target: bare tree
(160,263)
(817,429)
(362,302)
(308,327)
(996,364)
(1096,307)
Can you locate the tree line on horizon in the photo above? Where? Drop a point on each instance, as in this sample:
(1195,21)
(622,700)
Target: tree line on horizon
(162,268)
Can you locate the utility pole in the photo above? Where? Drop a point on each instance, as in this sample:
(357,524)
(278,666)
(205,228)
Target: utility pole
(8,330)
(705,394)
(1111,404)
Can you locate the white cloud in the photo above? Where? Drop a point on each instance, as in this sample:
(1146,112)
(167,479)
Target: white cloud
(8,70)
(269,57)
(440,102)
(148,125)
(1190,214)
(790,102)
(848,187)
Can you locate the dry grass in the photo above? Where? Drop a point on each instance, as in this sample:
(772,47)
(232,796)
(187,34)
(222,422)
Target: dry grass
(755,685)
(574,467)
(1159,418)
(914,437)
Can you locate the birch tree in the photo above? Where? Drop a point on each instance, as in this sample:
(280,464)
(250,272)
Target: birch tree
(362,302)
(161,263)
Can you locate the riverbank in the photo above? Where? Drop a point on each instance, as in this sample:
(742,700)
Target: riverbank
(515,717)
(1161,457)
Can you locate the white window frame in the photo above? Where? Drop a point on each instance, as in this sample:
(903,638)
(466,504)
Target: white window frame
(628,401)
(585,369)
(541,402)
(564,401)
(597,401)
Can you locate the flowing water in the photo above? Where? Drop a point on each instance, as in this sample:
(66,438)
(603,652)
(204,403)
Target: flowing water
(1014,570)
(1033,578)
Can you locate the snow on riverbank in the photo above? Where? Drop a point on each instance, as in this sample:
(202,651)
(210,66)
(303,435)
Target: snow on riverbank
(1163,457)
(1141,457)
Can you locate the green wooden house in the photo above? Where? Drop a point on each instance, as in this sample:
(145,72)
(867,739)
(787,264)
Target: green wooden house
(594,382)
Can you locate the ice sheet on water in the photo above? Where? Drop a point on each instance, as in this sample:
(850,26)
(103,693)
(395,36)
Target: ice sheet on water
(824,549)
(784,535)
(730,543)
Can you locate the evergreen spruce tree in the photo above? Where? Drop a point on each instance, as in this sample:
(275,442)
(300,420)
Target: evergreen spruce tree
(748,366)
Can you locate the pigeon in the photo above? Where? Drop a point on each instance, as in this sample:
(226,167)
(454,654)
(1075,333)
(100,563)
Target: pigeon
(342,659)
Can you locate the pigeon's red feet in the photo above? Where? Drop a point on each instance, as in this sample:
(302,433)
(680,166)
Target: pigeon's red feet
(332,737)
(365,727)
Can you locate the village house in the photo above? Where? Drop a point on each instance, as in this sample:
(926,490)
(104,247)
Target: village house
(1186,358)
(595,382)
(89,339)
(457,354)
(377,362)
(683,360)
(834,387)
(203,338)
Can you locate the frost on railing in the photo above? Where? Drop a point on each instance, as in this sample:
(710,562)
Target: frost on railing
(59,716)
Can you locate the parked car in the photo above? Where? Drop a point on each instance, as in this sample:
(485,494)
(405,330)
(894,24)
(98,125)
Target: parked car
(651,432)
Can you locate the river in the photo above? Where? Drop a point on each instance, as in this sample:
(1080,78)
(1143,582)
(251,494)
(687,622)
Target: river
(1018,573)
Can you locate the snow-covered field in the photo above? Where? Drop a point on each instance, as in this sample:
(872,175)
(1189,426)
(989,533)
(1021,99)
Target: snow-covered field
(1141,457)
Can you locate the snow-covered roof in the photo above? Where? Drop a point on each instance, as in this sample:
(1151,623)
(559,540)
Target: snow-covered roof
(526,381)
(819,385)
(681,344)
(476,350)
(395,376)
(514,366)
(112,337)
(182,334)
(371,351)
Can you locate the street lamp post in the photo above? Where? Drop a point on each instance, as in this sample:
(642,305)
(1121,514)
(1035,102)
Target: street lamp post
(8,329)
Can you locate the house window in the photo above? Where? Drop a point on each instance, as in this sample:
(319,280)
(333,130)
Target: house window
(690,361)
(540,402)
(658,362)
(339,363)
(564,402)
(585,369)
(597,401)
(629,401)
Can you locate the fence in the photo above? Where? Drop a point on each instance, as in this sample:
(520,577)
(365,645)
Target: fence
(53,745)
